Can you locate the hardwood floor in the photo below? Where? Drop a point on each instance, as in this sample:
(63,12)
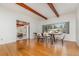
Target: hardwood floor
(34,48)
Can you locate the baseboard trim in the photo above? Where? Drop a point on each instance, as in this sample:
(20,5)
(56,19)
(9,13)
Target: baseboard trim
(8,42)
(33,39)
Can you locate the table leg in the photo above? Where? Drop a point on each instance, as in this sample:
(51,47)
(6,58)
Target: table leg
(53,37)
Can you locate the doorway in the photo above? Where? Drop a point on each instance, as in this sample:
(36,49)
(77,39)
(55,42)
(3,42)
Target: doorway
(23,33)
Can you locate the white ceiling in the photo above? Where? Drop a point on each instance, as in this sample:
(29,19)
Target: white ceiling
(65,8)
(42,8)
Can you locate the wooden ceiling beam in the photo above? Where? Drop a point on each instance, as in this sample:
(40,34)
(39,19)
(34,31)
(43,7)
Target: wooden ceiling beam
(30,9)
(53,9)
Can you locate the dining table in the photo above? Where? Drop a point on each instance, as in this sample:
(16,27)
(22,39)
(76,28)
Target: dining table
(50,36)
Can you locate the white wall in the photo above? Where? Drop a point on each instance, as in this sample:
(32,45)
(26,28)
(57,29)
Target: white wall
(8,25)
(71,18)
(77,27)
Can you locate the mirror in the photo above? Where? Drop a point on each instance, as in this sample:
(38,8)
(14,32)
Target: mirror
(64,26)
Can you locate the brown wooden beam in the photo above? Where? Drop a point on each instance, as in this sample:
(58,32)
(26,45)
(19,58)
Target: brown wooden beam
(30,9)
(53,9)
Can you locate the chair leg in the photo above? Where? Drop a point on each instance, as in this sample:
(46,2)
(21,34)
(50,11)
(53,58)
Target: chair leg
(42,40)
(38,39)
(62,42)
(55,40)
(52,41)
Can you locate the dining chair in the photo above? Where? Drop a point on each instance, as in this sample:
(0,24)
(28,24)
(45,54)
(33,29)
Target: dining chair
(35,35)
(60,37)
(40,37)
(47,37)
